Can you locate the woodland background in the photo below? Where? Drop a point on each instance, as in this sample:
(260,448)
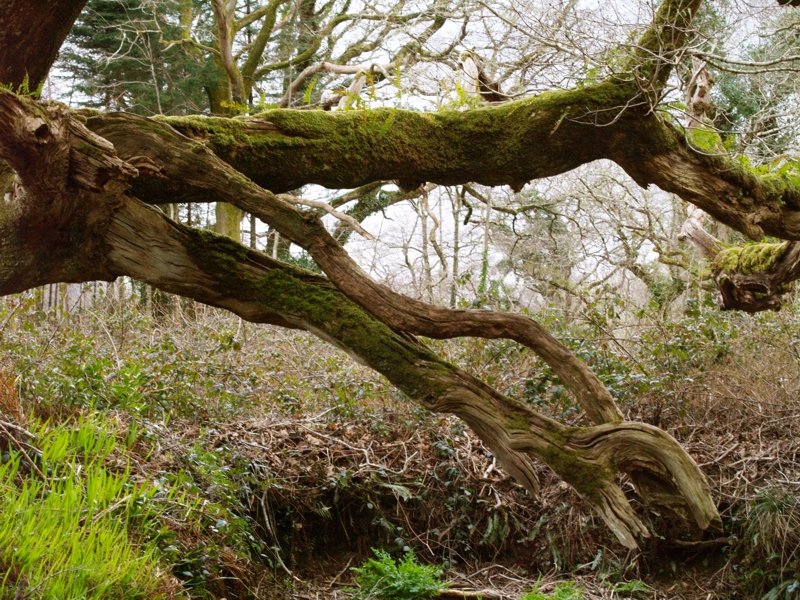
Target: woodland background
(156,447)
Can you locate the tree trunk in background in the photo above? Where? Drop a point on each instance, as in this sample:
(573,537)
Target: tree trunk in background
(455,270)
(228,220)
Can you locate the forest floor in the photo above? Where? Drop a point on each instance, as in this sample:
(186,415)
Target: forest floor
(256,463)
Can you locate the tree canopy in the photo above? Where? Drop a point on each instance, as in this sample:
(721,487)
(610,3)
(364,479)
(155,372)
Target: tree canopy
(82,187)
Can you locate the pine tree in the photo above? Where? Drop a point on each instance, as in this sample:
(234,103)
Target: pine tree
(120,58)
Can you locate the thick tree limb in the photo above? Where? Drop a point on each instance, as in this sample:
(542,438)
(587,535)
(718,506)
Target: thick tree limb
(224,16)
(217,271)
(44,232)
(508,144)
(660,46)
(207,177)
(71,182)
(31,34)
(749,277)
(142,242)
(199,176)
(756,277)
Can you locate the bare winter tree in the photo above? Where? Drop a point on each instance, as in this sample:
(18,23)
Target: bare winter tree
(80,191)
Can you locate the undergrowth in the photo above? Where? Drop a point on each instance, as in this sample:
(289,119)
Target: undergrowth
(212,458)
(562,591)
(65,520)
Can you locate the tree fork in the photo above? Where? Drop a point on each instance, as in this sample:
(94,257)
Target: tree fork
(206,178)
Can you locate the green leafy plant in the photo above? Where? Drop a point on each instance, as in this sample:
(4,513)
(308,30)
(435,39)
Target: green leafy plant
(386,579)
(24,88)
(562,591)
(783,591)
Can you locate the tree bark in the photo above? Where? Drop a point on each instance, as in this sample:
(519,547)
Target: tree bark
(756,277)
(119,235)
(31,34)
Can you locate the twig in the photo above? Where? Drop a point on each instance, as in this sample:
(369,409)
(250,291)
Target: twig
(109,509)
(342,572)
(355,225)
(481,594)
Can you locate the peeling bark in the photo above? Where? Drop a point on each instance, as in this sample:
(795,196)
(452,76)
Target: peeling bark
(694,232)
(63,197)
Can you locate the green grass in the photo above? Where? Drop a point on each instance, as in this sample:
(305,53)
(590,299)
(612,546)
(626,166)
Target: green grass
(64,521)
(562,591)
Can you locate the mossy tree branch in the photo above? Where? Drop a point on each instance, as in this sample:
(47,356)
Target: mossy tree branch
(509,144)
(82,183)
(198,175)
(660,46)
(217,271)
(143,243)
(757,276)
(204,176)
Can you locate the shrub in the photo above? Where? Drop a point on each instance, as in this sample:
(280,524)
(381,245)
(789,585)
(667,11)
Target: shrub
(384,578)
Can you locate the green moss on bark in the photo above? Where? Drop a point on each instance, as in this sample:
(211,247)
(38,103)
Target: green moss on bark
(303,297)
(506,144)
(587,477)
(750,258)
